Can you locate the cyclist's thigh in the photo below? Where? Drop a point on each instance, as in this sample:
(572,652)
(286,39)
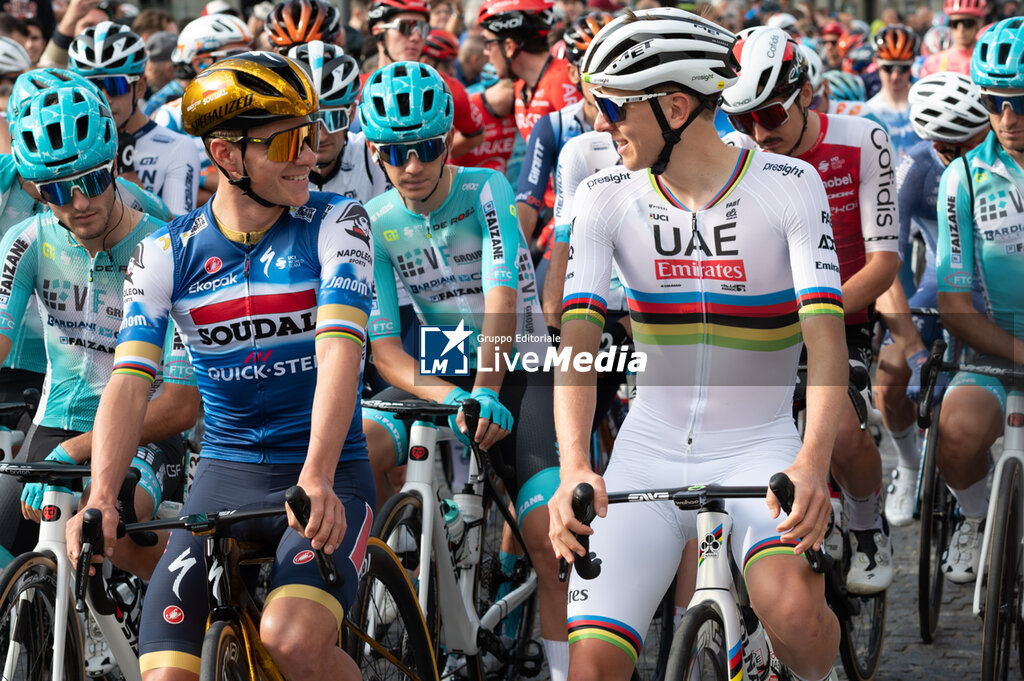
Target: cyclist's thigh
(991,384)
(640,545)
(295,571)
(395,427)
(530,452)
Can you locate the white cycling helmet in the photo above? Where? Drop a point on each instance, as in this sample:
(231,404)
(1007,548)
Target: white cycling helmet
(947,107)
(783,20)
(108,49)
(771,65)
(335,75)
(208,35)
(13,57)
(815,67)
(661,46)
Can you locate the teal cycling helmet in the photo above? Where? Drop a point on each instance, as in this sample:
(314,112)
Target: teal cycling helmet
(42,80)
(108,49)
(62,132)
(405,102)
(998,59)
(845,87)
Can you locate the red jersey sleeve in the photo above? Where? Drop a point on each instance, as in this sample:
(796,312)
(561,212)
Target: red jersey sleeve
(468,119)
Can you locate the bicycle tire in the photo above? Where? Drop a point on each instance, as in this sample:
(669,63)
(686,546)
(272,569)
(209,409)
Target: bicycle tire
(698,648)
(28,592)
(650,666)
(400,521)
(862,634)
(385,632)
(937,508)
(1003,590)
(223,655)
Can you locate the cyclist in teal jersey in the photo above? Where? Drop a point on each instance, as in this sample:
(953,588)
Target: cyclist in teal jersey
(452,236)
(981,236)
(26,363)
(74,258)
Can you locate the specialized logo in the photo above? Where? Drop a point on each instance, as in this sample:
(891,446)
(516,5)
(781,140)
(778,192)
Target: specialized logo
(173,615)
(303,557)
(182,564)
(213,265)
(444,350)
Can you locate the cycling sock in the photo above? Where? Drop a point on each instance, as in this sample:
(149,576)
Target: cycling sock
(907,449)
(797,677)
(865,514)
(973,500)
(557,653)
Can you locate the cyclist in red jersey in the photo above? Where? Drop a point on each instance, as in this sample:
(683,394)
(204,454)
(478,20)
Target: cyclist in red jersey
(769,107)
(499,128)
(401,28)
(516,39)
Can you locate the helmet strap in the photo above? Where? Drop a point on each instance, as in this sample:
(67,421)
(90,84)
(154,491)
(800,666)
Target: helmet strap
(245,182)
(671,136)
(803,129)
(444,167)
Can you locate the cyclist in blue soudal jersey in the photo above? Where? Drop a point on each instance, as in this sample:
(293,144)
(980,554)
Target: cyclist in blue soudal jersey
(981,238)
(720,297)
(947,112)
(451,235)
(74,259)
(270,286)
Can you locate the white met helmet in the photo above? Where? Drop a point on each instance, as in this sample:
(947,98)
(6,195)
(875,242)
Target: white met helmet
(208,35)
(771,65)
(815,67)
(108,49)
(13,57)
(947,107)
(335,75)
(662,46)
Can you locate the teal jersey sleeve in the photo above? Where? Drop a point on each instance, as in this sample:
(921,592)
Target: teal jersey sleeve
(954,264)
(177,367)
(142,200)
(17,279)
(384,317)
(500,232)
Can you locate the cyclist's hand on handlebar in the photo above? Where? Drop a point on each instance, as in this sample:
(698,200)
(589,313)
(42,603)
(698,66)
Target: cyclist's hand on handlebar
(809,520)
(457,421)
(32,492)
(73,532)
(327,522)
(561,520)
(495,418)
(915,362)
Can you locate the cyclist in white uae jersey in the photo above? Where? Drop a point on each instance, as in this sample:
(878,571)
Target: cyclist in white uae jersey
(947,112)
(163,162)
(769,105)
(719,298)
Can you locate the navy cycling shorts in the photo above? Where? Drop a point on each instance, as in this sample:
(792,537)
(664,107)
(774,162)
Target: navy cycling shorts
(176,607)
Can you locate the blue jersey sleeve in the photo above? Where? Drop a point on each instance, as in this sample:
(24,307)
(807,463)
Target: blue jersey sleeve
(346,272)
(541,152)
(148,286)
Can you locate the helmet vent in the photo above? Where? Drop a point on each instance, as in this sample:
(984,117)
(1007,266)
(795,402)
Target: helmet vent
(403,104)
(30,142)
(1003,50)
(53,132)
(82,128)
(50,99)
(428,101)
(378,104)
(400,71)
(255,84)
(763,82)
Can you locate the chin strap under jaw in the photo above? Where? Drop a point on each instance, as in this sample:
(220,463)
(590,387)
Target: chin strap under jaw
(670,135)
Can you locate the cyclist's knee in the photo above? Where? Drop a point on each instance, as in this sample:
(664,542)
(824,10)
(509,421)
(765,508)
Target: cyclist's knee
(168,674)
(534,528)
(297,630)
(970,420)
(380,446)
(803,612)
(595,660)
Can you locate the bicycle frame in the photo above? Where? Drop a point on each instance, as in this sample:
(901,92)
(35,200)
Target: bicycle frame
(1013,448)
(53,544)
(459,621)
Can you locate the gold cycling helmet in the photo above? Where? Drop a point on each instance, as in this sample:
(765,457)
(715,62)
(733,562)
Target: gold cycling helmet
(244,91)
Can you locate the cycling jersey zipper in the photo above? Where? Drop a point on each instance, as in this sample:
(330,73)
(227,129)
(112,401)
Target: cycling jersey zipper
(252,337)
(702,346)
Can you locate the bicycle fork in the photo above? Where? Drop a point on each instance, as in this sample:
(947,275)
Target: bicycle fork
(716,583)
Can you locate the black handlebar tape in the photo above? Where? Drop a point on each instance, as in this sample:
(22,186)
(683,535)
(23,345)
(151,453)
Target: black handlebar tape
(298,501)
(782,487)
(471,412)
(92,544)
(588,566)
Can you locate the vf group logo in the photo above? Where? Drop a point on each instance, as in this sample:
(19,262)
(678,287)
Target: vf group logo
(444,350)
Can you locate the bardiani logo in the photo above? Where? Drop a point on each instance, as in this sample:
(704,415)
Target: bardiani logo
(444,350)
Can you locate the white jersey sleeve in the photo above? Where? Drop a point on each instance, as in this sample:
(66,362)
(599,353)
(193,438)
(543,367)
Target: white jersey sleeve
(877,191)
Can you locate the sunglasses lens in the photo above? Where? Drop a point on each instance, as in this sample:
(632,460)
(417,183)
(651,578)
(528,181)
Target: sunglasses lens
(426,151)
(609,109)
(91,185)
(114,86)
(287,145)
(335,120)
(742,122)
(769,117)
(409,26)
(996,103)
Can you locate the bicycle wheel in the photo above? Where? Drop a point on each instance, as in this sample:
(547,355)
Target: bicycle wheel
(223,656)
(937,508)
(28,602)
(385,632)
(654,655)
(862,633)
(698,648)
(1003,591)
(400,525)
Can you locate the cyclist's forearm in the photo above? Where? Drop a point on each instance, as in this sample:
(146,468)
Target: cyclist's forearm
(554,283)
(400,370)
(871,281)
(116,432)
(972,327)
(827,380)
(5,348)
(173,412)
(575,397)
(462,145)
(334,402)
(497,331)
(895,311)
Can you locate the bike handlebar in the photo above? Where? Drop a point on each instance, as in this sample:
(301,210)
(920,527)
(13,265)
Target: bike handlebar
(298,501)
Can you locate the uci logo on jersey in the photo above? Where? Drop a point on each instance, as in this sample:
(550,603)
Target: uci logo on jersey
(444,350)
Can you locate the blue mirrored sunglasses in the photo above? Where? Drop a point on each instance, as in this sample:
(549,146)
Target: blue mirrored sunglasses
(996,103)
(114,86)
(425,150)
(335,120)
(91,184)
